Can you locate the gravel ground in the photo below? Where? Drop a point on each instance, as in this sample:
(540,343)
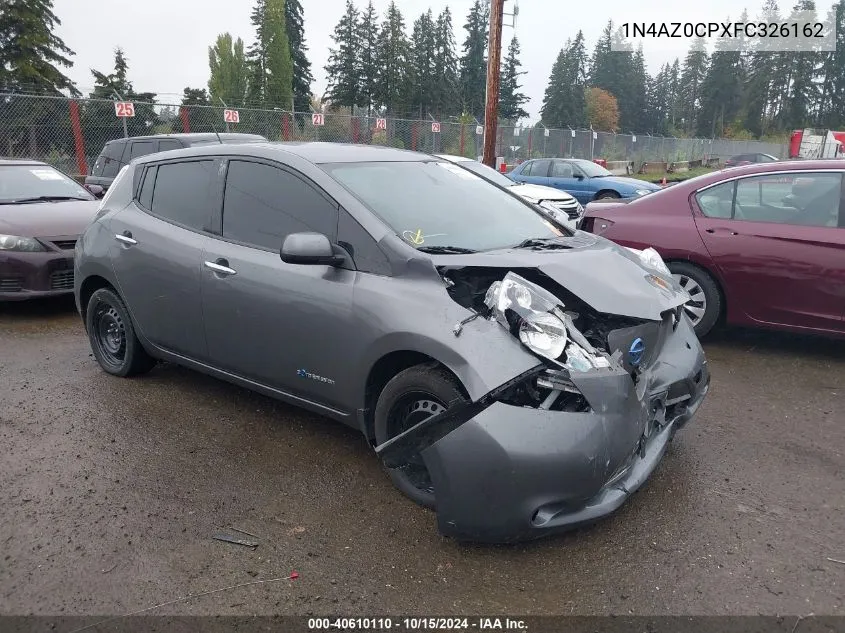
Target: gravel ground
(112,489)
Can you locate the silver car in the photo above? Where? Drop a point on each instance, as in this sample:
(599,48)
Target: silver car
(518,377)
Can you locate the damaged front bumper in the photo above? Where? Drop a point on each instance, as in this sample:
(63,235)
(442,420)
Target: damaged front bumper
(505,473)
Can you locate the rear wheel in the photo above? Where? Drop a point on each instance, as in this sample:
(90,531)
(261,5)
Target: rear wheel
(604,195)
(410,397)
(112,336)
(705,304)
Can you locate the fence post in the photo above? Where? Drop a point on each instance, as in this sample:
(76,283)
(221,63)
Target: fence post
(463,140)
(78,140)
(414,133)
(530,130)
(186,119)
(285,127)
(356,127)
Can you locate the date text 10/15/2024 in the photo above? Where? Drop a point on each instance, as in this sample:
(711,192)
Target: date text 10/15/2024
(416,624)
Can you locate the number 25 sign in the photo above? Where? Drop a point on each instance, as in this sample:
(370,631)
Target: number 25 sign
(124,109)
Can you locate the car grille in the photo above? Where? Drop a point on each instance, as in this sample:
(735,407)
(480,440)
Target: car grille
(61,280)
(65,245)
(11,284)
(570,207)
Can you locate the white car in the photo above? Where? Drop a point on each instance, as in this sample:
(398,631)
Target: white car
(559,205)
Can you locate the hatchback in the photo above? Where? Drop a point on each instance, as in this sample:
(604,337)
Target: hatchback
(516,376)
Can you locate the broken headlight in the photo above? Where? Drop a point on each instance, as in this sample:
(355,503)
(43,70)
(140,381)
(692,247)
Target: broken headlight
(652,259)
(531,313)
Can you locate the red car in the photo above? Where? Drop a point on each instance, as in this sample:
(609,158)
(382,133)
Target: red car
(758,245)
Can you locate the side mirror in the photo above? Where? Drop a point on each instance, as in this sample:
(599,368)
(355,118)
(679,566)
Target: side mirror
(579,176)
(96,190)
(312,249)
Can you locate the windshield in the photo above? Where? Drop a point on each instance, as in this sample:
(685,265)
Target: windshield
(29,182)
(438,204)
(487,172)
(591,169)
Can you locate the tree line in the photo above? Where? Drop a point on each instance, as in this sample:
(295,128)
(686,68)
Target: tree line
(755,93)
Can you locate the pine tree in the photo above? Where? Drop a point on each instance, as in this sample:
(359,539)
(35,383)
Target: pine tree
(674,94)
(692,76)
(367,41)
(473,63)
(394,85)
(227,63)
(302,77)
(721,91)
(620,74)
(257,56)
(195,97)
(279,66)
(344,68)
(761,64)
(564,101)
(832,111)
(31,55)
(659,102)
(802,102)
(422,68)
(511,99)
(632,113)
(446,95)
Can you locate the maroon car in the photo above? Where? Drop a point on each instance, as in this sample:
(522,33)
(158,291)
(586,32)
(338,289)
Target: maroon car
(760,245)
(42,213)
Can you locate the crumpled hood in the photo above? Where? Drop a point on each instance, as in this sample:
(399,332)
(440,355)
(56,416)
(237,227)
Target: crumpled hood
(47,219)
(539,192)
(607,277)
(629,183)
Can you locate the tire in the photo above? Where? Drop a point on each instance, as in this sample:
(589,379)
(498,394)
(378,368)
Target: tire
(607,194)
(112,336)
(408,398)
(704,292)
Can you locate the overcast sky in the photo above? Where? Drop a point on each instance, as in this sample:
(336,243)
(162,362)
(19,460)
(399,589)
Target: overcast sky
(166,41)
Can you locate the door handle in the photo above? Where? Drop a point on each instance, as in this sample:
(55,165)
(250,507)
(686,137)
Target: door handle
(126,238)
(221,267)
(712,231)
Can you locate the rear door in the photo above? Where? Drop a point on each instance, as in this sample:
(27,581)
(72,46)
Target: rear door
(157,253)
(535,172)
(779,242)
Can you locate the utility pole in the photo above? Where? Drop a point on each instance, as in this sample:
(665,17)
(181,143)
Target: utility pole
(494,59)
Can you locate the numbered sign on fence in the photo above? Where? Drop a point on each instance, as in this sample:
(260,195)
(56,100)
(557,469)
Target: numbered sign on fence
(435,127)
(573,133)
(595,135)
(516,131)
(546,132)
(124,109)
(633,138)
(479,130)
(381,124)
(318,119)
(231,116)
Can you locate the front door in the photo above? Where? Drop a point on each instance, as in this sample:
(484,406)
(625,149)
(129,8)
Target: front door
(780,245)
(157,250)
(564,176)
(281,325)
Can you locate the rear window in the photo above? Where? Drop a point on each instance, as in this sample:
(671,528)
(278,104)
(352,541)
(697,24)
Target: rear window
(142,148)
(180,193)
(167,145)
(537,168)
(109,161)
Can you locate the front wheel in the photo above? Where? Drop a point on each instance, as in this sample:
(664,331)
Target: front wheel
(414,395)
(705,304)
(112,336)
(606,195)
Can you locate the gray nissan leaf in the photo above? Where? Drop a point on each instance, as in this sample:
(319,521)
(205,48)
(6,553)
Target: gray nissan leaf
(516,377)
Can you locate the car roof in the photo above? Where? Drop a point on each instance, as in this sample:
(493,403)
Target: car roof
(455,159)
(313,152)
(195,137)
(21,161)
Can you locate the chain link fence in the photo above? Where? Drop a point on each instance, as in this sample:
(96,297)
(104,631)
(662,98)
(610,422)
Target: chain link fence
(69,134)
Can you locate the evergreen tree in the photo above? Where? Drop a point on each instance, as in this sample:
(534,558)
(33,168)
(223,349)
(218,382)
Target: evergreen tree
(659,102)
(195,97)
(446,95)
(801,105)
(302,78)
(257,56)
(674,94)
(690,91)
(31,55)
(227,62)
(621,74)
(344,67)
(564,101)
(762,73)
(270,65)
(721,91)
(632,113)
(832,110)
(394,85)
(422,68)
(367,42)
(511,99)
(473,63)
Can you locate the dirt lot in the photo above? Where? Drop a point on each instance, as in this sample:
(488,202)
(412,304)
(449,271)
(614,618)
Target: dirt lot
(111,491)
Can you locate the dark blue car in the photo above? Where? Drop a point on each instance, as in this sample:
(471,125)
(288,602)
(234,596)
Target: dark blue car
(583,179)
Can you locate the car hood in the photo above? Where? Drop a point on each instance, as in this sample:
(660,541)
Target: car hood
(47,219)
(629,183)
(609,278)
(539,192)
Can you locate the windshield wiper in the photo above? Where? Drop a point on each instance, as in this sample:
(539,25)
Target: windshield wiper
(542,242)
(45,199)
(445,250)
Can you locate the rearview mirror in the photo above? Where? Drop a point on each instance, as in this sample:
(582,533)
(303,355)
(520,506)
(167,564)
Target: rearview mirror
(313,249)
(95,190)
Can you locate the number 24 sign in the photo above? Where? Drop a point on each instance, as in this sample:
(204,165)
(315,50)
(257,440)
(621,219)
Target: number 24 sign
(124,109)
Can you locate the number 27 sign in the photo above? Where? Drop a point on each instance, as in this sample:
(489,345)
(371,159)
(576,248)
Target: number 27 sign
(124,109)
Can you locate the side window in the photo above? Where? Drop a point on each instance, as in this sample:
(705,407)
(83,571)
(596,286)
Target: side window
(141,148)
(168,144)
(811,199)
(561,169)
(145,196)
(109,161)
(366,254)
(717,202)
(179,193)
(538,168)
(263,204)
